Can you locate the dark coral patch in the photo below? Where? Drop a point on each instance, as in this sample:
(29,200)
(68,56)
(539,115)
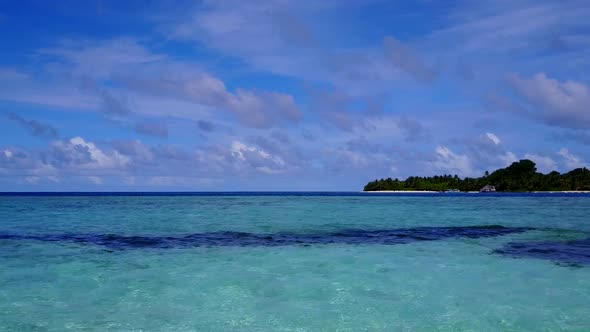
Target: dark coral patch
(242,239)
(575,252)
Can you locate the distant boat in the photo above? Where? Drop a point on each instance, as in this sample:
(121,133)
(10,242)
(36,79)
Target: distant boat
(452,191)
(488,189)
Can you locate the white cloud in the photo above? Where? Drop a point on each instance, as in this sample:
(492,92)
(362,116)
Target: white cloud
(100,59)
(488,152)
(544,164)
(563,104)
(102,160)
(493,138)
(22,88)
(500,26)
(571,160)
(79,153)
(254,108)
(254,32)
(448,161)
(7,153)
(257,158)
(279,37)
(134,150)
(145,83)
(508,158)
(206,94)
(262,109)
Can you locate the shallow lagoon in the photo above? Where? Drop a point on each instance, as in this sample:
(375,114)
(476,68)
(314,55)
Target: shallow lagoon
(57,276)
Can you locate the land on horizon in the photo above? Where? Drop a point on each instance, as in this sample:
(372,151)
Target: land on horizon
(521,176)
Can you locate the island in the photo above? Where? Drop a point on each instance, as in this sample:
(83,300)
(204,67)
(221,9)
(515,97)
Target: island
(520,176)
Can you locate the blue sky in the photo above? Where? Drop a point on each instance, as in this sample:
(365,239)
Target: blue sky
(287,95)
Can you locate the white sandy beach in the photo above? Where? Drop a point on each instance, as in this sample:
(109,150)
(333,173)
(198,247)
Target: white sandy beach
(475,192)
(402,191)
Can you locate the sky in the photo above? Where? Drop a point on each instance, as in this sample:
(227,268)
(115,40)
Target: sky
(231,95)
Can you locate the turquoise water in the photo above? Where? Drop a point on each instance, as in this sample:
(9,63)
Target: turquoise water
(217,263)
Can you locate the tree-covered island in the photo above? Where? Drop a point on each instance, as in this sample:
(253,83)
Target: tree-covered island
(518,177)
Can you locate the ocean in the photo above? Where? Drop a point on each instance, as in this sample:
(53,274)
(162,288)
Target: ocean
(294,262)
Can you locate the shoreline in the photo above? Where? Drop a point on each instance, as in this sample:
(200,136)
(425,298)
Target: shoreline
(562,192)
(476,192)
(402,191)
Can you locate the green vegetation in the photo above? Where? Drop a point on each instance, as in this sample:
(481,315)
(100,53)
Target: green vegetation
(520,176)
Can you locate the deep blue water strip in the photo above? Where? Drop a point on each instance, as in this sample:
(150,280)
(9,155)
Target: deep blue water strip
(576,252)
(243,239)
(569,252)
(301,194)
